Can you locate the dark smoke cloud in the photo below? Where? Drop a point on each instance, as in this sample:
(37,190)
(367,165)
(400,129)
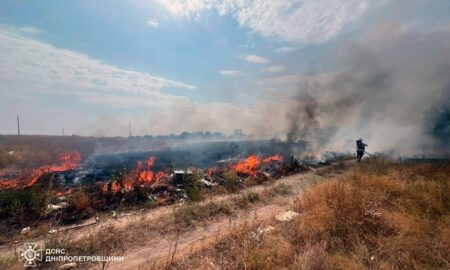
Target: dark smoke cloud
(384,89)
(437,124)
(303,119)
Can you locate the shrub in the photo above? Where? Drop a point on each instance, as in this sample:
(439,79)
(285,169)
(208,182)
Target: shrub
(193,189)
(80,207)
(192,212)
(22,206)
(282,189)
(81,200)
(248,198)
(231,181)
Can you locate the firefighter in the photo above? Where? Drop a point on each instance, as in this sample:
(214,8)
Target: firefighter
(360,149)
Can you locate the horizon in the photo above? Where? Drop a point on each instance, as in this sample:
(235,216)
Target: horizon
(224,134)
(324,71)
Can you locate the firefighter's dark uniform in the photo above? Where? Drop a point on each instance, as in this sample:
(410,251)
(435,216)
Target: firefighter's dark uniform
(360,149)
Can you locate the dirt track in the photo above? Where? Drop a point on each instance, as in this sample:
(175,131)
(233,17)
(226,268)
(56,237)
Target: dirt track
(161,247)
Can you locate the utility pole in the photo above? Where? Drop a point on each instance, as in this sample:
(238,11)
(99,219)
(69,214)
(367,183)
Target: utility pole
(62,131)
(129,129)
(18,126)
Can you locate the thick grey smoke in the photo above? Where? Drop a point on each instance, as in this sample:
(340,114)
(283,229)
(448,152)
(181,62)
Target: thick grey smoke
(392,88)
(303,118)
(437,124)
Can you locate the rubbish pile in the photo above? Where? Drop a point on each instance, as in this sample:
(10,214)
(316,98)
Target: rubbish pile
(142,185)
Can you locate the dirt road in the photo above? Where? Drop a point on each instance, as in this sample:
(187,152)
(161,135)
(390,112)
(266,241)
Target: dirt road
(162,246)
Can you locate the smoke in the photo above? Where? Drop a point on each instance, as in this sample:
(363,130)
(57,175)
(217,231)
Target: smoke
(262,120)
(387,89)
(304,122)
(389,86)
(437,124)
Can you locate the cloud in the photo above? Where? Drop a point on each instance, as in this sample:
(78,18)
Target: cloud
(231,73)
(30,30)
(186,7)
(256,59)
(30,65)
(300,21)
(296,80)
(49,85)
(153,23)
(273,68)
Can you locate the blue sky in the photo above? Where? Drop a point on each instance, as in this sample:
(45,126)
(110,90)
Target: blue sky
(165,66)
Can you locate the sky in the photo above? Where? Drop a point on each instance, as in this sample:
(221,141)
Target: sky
(92,67)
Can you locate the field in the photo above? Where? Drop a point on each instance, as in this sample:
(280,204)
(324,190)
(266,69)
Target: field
(382,215)
(377,214)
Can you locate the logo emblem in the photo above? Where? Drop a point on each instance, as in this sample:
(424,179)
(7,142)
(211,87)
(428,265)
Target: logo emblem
(30,254)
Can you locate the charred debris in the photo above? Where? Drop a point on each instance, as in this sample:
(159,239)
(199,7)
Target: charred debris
(73,189)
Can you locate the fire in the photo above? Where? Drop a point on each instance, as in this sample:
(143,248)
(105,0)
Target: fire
(147,175)
(160,175)
(9,184)
(248,166)
(66,161)
(63,192)
(273,158)
(115,186)
(141,175)
(211,171)
(251,165)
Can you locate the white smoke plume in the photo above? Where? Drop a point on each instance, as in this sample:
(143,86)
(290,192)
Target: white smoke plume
(391,87)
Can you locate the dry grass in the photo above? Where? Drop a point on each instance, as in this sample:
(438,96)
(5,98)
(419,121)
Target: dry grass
(195,212)
(384,215)
(9,262)
(107,242)
(336,168)
(114,240)
(280,189)
(188,214)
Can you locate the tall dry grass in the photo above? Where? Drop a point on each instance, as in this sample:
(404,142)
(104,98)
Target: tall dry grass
(383,215)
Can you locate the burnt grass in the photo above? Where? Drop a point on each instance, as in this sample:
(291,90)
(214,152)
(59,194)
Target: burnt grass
(20,208)
(383,215)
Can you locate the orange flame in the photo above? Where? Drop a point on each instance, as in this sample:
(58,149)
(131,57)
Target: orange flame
(273,158)
(63,192)
(67,161)
(247,166)
(146,175)
(138,176)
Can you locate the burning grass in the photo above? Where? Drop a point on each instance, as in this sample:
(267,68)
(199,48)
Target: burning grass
(30,199)
(384,215)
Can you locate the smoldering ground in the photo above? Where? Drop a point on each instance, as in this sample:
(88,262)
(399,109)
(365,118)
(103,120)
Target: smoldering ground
(391,87)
